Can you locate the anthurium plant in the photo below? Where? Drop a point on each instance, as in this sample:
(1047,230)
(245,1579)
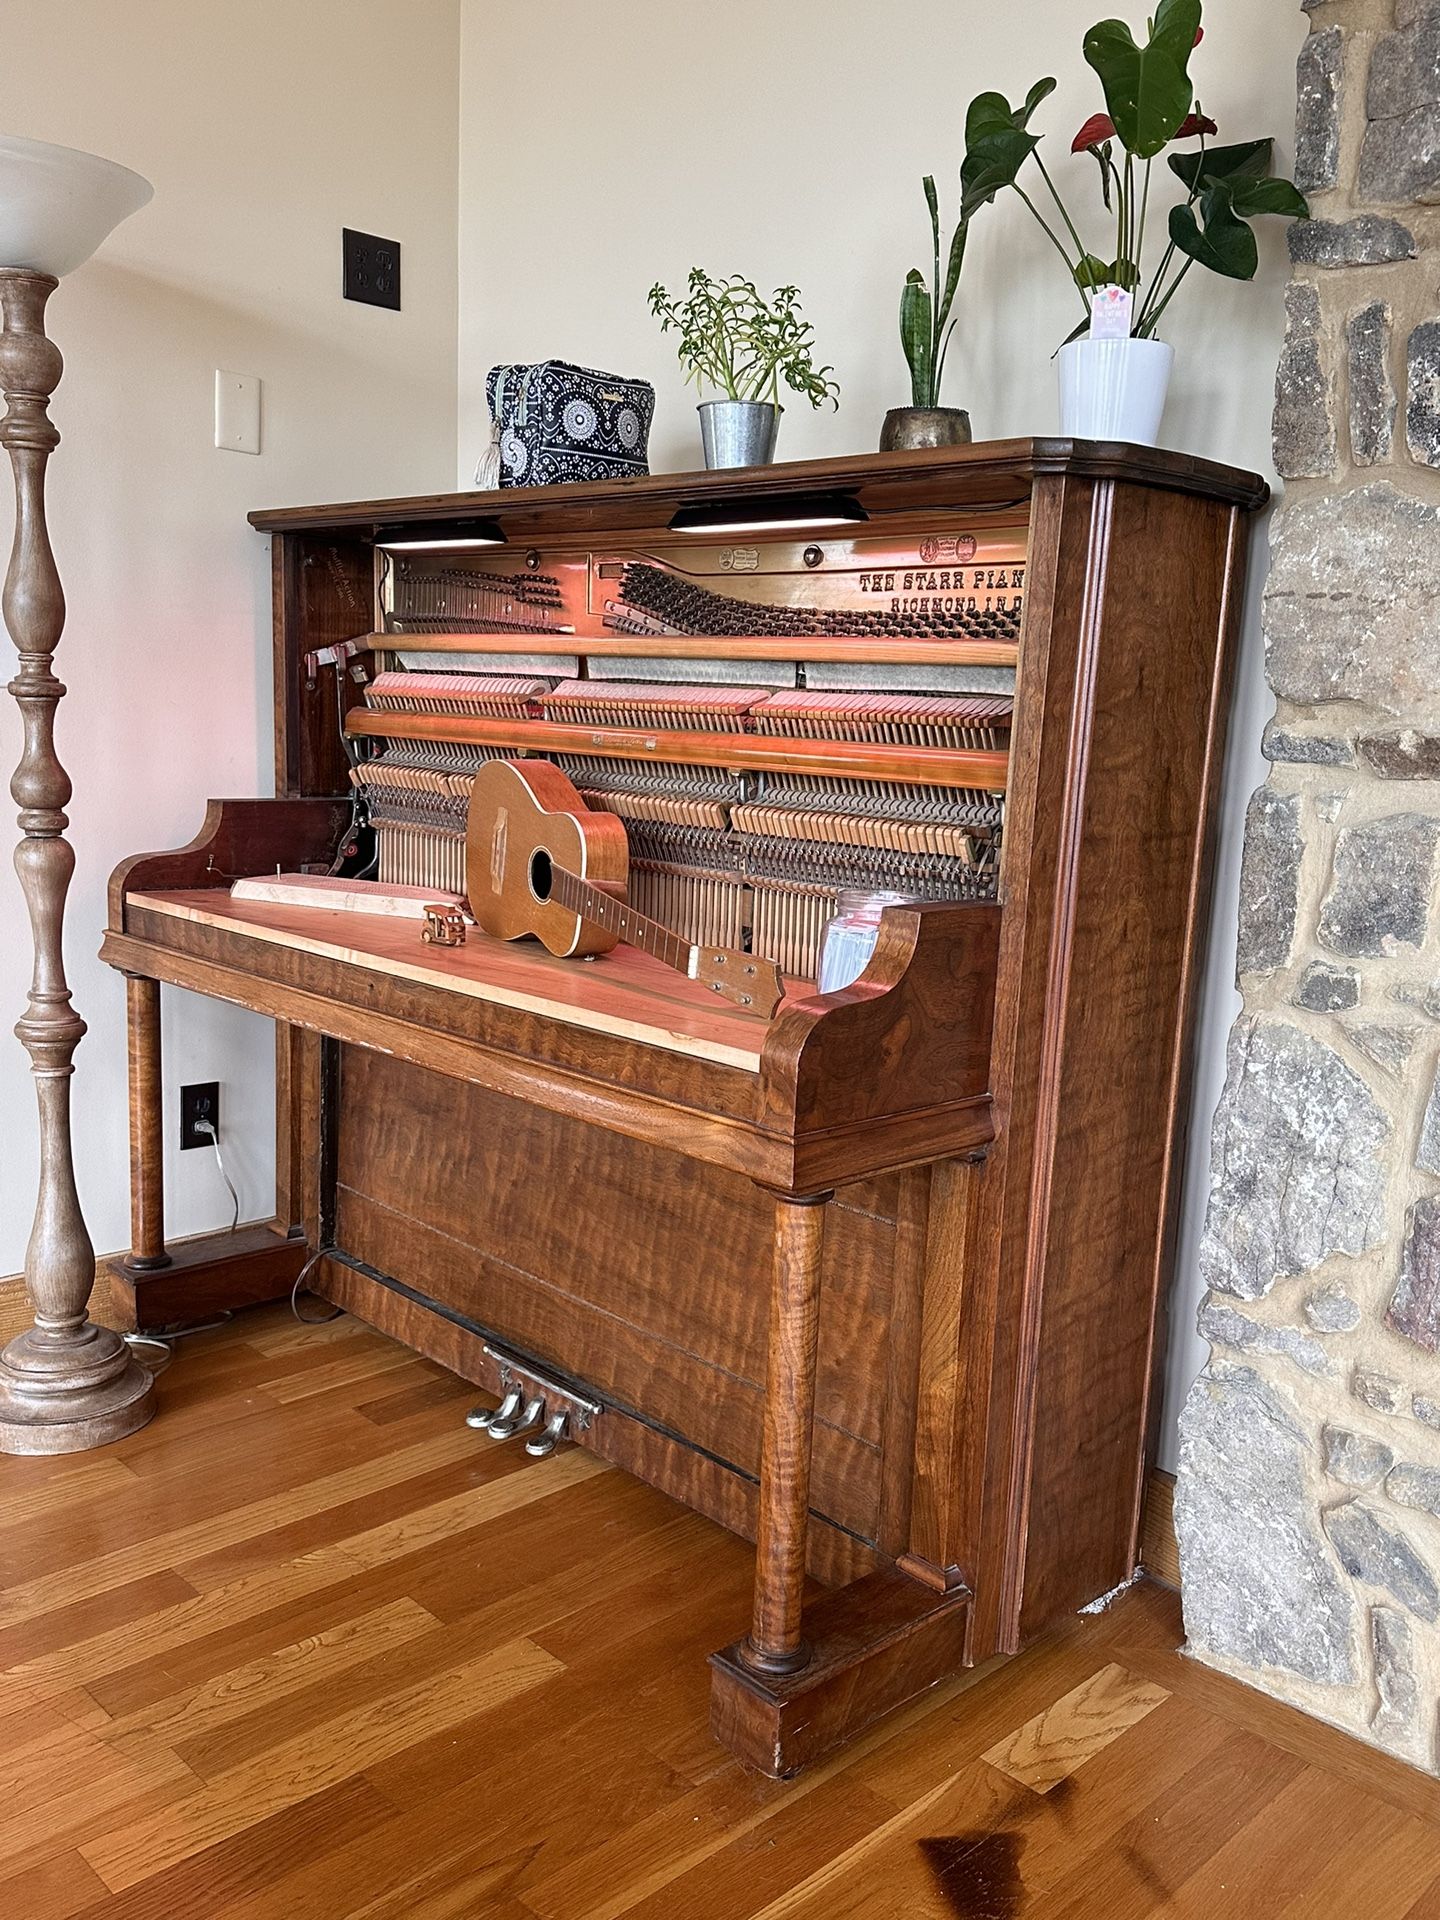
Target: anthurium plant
(1150,106)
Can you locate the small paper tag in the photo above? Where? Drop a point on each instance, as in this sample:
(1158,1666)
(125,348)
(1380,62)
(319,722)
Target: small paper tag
(1110,311)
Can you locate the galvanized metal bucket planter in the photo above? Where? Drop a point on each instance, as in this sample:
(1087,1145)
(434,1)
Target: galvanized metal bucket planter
(739,433)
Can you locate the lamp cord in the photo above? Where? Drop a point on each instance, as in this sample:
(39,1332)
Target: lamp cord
(311,1319)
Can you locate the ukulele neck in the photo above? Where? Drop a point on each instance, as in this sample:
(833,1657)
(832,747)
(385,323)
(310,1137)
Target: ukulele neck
(604,910)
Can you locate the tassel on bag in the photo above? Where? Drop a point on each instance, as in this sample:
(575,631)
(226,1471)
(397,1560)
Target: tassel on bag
(487,471)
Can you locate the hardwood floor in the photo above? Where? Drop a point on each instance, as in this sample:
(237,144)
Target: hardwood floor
(307,1647)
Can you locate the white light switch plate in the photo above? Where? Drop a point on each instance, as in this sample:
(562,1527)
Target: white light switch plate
(237,411)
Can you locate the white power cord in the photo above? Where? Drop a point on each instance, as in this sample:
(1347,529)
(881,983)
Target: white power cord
(159,1345)
(311,1319)
(202,1125)
(154,1349)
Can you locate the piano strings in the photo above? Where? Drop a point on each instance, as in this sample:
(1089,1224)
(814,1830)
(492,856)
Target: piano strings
(719,855)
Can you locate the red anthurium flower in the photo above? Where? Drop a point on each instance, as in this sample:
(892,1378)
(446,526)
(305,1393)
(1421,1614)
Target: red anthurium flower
(1097,128)
(1195,123)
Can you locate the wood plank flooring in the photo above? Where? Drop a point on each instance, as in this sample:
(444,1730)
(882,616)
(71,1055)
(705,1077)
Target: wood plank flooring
(307,1648)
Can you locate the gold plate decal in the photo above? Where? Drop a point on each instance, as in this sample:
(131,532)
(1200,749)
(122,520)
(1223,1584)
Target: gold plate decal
(497,848)
(959,547)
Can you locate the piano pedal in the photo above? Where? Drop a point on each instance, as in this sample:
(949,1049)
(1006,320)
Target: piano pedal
(545,1443)
(484,1417)
(533,1404)
(524,1422)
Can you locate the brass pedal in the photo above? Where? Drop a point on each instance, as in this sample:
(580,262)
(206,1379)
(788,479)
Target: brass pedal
(533,1404)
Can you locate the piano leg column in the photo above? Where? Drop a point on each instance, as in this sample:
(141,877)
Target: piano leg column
(147,1165)
(775,1644)
(780,1698)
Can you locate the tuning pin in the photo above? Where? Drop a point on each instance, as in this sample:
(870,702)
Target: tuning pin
(545,1443)
(485,1417)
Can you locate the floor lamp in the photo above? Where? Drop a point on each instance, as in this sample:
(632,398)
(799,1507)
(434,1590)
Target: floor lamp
(65,1384)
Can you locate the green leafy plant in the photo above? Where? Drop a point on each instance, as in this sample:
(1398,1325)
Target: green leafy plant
(925,323)
(1150,104)
(736,340)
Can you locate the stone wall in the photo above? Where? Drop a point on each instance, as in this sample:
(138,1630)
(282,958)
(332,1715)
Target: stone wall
(1308,1503)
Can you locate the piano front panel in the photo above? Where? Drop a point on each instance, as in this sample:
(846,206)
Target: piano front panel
(748,820)
(624,1266)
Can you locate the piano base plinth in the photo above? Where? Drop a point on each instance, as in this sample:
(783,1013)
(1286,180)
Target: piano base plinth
(211,1273)
(876,1644)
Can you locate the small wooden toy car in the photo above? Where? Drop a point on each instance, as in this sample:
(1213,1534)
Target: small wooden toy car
(444,927)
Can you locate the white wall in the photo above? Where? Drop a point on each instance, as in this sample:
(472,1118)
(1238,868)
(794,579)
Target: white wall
(602,148)
(266,126)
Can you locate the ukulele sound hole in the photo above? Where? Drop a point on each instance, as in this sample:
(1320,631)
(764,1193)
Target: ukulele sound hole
(542,877)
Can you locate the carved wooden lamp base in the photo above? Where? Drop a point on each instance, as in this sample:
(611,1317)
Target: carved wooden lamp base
(66,1384)
(62,1396)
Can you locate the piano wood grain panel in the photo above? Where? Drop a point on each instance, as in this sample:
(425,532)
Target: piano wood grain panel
(704,1484)
(653,1288)
(1129,667)
(1116,1079)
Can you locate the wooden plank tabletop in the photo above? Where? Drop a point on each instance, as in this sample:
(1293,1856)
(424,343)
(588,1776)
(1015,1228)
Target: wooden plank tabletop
(625,993)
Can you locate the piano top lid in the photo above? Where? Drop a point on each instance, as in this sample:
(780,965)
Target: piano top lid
(991,473)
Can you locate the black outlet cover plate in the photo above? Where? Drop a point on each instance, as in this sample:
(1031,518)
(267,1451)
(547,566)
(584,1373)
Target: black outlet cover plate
(372,268)
(202,1100)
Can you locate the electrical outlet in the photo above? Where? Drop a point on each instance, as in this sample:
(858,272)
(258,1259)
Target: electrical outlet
(372,268)
(200,1102)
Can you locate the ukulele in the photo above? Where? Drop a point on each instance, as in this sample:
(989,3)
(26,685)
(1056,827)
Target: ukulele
(539,861)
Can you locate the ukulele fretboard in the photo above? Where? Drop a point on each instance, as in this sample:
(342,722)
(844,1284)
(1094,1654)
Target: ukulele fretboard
(604,910)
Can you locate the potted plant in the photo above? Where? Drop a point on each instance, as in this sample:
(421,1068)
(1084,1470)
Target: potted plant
(736,340)
(1114,371)
(925,330)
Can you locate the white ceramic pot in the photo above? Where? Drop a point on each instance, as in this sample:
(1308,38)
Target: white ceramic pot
(1114,389)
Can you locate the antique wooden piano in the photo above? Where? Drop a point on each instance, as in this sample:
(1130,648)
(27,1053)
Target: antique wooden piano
(877,1283)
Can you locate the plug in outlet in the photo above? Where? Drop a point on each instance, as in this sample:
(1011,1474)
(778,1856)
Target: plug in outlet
(197,1103)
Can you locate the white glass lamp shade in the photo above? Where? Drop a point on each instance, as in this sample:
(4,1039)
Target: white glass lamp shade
(57,205)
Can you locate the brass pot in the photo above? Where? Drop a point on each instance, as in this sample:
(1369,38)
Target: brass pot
(907,427)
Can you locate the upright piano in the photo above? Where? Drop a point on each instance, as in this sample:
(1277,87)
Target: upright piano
(877,1282)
